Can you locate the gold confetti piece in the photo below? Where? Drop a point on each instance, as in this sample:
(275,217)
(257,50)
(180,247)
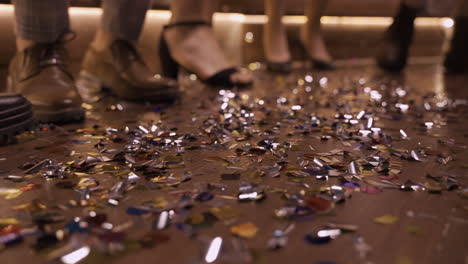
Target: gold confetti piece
(195,219)
(81,174)
(87,182)
(403,260)
(386,219)
(10,193)
(160,202)
(245,230)
(225,212)
(8,221)
(34,206)
(415,230)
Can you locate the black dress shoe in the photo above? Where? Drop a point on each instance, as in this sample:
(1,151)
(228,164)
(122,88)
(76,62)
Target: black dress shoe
(393,51)
(15,117)
(279,67)
(456,60)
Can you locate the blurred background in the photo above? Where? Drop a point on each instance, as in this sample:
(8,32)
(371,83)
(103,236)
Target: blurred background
(355,25)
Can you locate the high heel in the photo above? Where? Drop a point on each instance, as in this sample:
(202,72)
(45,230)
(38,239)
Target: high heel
(393,51)
(456,60)
(170,67)
(322,65)
(319,64)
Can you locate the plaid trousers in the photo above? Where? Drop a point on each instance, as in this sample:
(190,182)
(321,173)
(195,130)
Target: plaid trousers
(47,20)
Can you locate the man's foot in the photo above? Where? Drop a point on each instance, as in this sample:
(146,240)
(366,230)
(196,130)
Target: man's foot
(456,60)
(393,51)
(15,116)
(40,74)
(195,48)
(121,69)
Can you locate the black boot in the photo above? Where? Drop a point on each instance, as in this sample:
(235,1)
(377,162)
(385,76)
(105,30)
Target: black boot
(15,117)
(393,51)
(456,60)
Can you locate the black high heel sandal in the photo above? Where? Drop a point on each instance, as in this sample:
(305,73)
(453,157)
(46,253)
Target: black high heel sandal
(322,65)
(170,67)
(392,53)
(319,64)
(456,60)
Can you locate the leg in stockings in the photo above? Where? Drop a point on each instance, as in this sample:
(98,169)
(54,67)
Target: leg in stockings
(275,41)
(311,34)
(194,46)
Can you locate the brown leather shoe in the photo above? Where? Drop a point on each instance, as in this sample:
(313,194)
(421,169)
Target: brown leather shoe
(39,73)
(121,70)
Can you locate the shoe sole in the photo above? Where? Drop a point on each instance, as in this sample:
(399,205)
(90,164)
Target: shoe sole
(90,85)
(15,121)
(62,116)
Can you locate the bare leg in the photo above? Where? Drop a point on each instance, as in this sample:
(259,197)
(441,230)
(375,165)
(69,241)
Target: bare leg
(311,34)
(22,44)
(195,47)
(275,41)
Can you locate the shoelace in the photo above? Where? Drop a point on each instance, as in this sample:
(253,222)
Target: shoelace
(54,53)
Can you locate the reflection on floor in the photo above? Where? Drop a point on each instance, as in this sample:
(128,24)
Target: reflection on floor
(351,166)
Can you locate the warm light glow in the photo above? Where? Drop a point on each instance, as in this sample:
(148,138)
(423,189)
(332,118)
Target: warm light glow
(87,11)
(161,14)
(260,19)
(447,22)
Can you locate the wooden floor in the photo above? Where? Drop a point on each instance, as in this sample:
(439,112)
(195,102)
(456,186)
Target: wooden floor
(431,228)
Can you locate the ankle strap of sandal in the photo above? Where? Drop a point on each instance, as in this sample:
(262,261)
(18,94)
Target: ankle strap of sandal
(188,23)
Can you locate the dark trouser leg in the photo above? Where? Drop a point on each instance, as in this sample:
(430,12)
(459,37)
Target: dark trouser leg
(41,20)
(124,18)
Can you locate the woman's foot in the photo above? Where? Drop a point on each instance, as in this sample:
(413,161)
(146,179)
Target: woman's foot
(393,51)
(276,44)
(315,46)
(196,49)
(456,59)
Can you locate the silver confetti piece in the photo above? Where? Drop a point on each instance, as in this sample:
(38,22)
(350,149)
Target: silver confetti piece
(353,168)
